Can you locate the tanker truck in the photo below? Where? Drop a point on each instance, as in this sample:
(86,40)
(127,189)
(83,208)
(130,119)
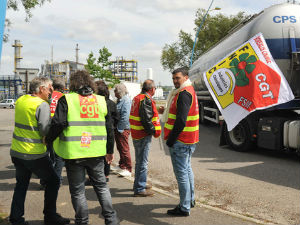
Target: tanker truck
(275,128)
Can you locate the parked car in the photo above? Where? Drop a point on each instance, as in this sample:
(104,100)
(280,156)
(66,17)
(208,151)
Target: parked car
(7,103)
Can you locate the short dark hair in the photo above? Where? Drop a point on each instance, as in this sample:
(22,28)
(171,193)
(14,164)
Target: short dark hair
(102,88)
(59,84)
(183,70)
(37,82)
(80,79)
(148,85)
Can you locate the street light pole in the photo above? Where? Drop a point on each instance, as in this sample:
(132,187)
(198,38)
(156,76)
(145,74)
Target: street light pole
(203,20)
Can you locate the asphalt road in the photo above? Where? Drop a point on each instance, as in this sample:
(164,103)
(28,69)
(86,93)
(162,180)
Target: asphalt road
(260,184)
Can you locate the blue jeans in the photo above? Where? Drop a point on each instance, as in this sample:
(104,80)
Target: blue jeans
(44,170)
(181,160)
(76,176)
(141,147)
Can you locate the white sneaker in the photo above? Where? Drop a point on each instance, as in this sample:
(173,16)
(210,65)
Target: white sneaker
(124,173)
(115,168)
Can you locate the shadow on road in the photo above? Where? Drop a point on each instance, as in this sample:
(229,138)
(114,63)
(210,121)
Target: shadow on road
(128,211)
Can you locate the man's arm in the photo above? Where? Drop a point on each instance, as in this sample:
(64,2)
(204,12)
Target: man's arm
(146,114)
(184,102)
(110,132)
(59,121)
(43,118)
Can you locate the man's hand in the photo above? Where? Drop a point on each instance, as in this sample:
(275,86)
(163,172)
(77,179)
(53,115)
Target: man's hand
(161,109)
(109,158)
(44,140)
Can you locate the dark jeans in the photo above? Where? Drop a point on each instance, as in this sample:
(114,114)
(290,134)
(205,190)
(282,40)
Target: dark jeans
(44,170)
(94,167)
(106,168)
(58,163)
(123,148)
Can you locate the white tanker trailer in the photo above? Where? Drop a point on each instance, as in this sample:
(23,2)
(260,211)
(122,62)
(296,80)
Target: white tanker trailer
(274,128)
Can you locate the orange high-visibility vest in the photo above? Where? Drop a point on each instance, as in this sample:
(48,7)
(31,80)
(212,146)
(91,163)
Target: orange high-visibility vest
(190,133)
(55,96)
(137,129)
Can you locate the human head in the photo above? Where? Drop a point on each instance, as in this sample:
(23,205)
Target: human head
(102,88)
(120,90)
(59,84)
(80,79)
(41,87)
(179,76)
(149,86)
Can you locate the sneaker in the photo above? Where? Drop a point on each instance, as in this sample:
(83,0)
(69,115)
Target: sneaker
(115,168)
(177,212)
(124,173)
(107,179)
(57,219)
(144,194)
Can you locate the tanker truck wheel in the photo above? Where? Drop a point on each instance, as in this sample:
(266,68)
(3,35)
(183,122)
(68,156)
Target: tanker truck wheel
(240,137)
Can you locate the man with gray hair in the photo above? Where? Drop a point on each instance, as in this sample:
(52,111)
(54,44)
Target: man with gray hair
(144,123)
(122,130)
(29,154)
(58,163)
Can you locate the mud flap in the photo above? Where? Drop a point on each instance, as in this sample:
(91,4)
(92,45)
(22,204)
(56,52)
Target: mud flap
(222,135)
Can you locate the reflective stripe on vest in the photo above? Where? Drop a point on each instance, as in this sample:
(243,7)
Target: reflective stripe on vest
(26,136)
(137,129)
(56,95)
(85,136)
(190,133)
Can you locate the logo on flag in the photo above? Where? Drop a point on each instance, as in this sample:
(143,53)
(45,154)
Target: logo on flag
(246,80)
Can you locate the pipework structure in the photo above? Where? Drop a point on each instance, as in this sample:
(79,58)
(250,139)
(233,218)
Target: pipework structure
(18,57)
(124,70)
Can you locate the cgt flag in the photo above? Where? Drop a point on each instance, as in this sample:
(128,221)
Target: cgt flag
(2,21)
(246,80)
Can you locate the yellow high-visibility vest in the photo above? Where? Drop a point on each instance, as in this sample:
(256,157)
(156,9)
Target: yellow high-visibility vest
(85,136)
(26,137)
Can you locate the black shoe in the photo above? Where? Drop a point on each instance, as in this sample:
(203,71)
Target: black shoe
(107,179)
(193,203)
(56,220)
(177,212)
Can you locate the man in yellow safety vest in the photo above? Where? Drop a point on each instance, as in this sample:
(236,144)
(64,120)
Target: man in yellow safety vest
(29,153)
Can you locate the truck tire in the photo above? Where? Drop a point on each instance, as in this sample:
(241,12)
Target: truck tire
(240,137)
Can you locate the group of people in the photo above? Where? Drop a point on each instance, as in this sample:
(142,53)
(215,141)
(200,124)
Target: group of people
(81,134)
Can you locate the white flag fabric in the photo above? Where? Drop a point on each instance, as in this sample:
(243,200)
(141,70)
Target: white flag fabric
(246,80)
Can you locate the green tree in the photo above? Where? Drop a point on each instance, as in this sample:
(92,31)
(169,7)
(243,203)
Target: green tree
(99,67)
(15,5)
(213,30)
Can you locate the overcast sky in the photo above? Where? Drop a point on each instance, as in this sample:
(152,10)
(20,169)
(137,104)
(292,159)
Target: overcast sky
(130,28)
